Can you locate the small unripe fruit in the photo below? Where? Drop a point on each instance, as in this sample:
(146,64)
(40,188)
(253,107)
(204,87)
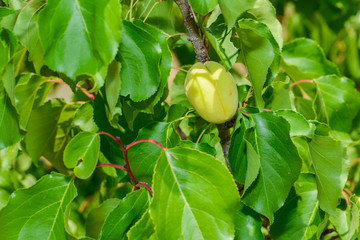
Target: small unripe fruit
(212,91)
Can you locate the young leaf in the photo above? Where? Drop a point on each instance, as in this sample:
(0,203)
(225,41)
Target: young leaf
(232,9)
(85,147)
(38,212)
(299,217)
(128,212)
(194,196)
(219,36)
(27,90)
(331,167)
(304,59)
(139,49)
(279,164)
(80,37)
(336,99)
(203,6)
(260,53)
(247,224)
(9,121)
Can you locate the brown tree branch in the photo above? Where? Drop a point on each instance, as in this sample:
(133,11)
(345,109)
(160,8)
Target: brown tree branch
(202,56)
(191,26)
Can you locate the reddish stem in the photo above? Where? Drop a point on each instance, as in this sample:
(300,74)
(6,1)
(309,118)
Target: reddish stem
(85,91)
(144,140)
(111,165)
(346,199)
(300,81)
(118,140)
(244,112)
(144,184)
(126,157)
(347,192)
(128,169)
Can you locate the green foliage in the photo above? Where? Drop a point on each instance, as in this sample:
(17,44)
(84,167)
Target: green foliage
(124,155)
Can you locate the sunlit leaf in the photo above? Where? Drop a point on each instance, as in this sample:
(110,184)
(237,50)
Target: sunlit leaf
(80,37)
(194,196)
(38,212)
(84,147)
(129,211)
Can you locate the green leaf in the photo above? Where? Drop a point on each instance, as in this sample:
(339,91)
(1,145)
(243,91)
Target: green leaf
(177,92)
(140,56)
(232,9)
(219,36)
(5,12)
(84,118)
(143,156)
(331,167)
(304,59)
(38,212)
(80,37)
(97,216)
(143,229)
(337,102)
(128,212)
(248,224)
(112,87)
(180,209)
(27,30)
(299,217)
(28,93)
(299,126)
(279,164)
(237,154)
(48,131)
(260,53)
(203,6)
(282,97)
(9,121)
(84,147)
(165,66)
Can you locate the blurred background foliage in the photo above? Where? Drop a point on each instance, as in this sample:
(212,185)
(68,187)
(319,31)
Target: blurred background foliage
(334,24)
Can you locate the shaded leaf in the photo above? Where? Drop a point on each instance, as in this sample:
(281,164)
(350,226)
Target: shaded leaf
(9,121)
(38,212)
(83,148)
(48,131)
(247,224)
(97,216)
(180,209)
(299,217)
(232,9)
(128,212)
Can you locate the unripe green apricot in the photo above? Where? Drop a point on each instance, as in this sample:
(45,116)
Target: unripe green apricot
(212,91)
